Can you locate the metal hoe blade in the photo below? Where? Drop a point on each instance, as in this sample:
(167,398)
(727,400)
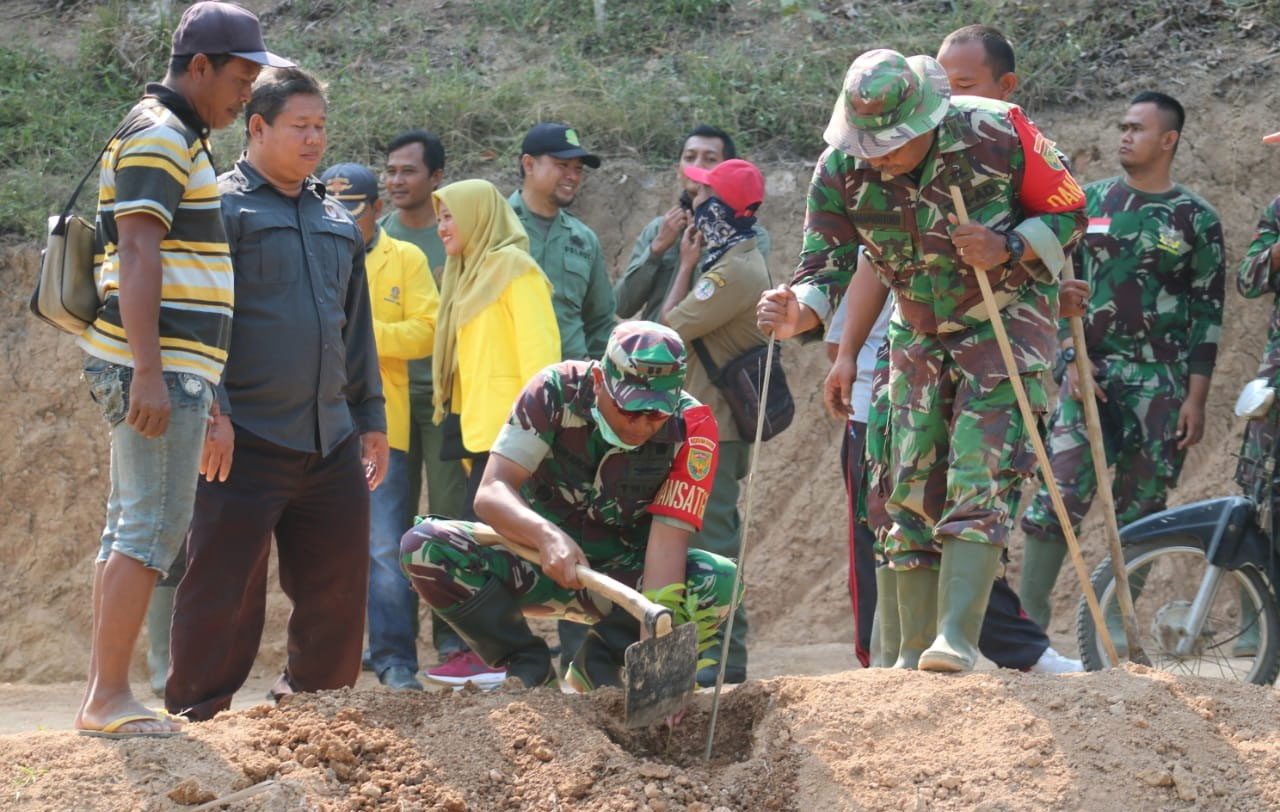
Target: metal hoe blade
(659,677)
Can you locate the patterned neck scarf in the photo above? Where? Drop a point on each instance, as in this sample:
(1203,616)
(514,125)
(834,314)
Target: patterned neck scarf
(721,229)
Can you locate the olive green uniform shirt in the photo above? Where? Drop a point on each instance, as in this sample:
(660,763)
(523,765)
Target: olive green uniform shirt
(569,254)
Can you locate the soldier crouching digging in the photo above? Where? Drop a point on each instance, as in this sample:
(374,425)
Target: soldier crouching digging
(602,463)
(958,444)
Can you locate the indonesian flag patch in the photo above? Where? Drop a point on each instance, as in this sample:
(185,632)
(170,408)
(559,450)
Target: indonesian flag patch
(1098,225)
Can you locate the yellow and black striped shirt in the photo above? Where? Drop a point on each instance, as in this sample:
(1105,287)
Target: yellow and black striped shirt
(159,164)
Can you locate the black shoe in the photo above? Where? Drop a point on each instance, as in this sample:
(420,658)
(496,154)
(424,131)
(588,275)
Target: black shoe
(400,678)
(733,674)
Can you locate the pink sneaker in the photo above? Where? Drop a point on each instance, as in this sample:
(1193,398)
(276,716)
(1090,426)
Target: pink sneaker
(462,667)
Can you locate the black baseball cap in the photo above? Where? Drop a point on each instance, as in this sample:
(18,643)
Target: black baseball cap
(354,185)
(223,28)
(559,141)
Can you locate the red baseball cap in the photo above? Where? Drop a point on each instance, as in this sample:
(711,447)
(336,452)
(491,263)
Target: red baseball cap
(737,182)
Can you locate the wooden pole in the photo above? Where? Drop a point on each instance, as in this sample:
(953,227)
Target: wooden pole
(1093,422)
(1029,419)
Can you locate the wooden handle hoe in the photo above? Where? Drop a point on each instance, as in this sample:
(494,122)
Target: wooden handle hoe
(1098,451)
(1028,418)
(659,670)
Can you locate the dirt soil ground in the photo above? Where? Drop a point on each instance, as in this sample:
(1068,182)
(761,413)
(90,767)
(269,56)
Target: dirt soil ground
(847,740)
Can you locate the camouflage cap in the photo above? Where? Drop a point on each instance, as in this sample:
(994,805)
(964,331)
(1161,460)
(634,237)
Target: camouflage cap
(643,366)
(887,100)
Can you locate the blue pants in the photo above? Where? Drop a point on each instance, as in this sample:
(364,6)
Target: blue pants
(393,605)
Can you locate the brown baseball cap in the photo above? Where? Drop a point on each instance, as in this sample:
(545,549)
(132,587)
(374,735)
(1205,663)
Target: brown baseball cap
(212,27)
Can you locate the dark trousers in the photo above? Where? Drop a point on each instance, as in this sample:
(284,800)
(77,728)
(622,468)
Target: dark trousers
(1009,638)
(318,508)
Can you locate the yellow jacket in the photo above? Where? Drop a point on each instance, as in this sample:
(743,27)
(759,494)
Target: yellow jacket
(498,351)
(404,299)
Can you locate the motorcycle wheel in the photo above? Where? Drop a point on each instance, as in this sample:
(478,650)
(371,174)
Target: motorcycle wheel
(1164,575)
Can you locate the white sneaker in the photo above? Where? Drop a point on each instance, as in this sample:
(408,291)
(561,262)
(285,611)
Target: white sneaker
(1051,662)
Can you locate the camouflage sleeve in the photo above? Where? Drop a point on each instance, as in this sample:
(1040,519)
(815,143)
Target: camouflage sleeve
(535,419)
(683,496)
(829,253)
(1205,297)
(1255,277)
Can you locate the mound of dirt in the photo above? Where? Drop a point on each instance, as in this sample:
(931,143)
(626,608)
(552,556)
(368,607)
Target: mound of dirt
(866,740)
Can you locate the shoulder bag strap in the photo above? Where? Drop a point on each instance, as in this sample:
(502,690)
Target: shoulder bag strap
(713,371)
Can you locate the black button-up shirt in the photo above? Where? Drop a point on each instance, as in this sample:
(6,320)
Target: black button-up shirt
(302,371)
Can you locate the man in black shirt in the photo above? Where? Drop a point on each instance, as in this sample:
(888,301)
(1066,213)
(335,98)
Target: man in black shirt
(300,407)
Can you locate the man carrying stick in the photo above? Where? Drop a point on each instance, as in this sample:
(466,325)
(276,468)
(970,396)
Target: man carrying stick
(1154,256)
(958,445)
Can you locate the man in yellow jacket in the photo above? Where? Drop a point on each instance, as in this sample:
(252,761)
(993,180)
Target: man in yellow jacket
(404,299)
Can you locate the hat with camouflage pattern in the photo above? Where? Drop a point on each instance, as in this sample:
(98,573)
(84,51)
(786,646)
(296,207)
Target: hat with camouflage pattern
(887,100)
(644,366)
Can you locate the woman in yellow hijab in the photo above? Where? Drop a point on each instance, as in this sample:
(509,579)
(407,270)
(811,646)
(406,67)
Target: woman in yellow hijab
(496,327)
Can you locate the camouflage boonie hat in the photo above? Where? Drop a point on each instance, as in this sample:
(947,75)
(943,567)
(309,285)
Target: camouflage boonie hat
(887,100)
(644,366)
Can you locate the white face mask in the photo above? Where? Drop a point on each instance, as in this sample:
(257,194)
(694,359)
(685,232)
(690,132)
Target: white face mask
(610,436)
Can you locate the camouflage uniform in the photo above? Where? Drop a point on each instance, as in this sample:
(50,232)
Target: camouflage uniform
(1256,279)
(602,497)
(1155,263)
(957,442)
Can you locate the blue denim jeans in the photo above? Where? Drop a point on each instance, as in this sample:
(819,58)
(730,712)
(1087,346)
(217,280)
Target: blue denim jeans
(153,481)
(393,605)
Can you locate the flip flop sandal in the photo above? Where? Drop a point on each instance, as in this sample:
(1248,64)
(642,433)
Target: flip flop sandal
(111,730)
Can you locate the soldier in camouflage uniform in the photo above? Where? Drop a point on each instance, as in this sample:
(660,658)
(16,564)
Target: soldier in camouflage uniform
(1258,277)
(958,445)
(606,464)
(1154,257)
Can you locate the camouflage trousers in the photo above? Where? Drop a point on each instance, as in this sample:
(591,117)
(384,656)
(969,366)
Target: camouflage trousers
(1139,427)
(1257,446)
(957,450)
(447,566)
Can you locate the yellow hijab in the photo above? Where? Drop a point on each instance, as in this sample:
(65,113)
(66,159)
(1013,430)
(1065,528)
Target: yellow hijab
(495,253)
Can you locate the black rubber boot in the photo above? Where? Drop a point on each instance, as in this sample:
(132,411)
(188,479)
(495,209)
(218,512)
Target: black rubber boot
(602,654)
(491,622)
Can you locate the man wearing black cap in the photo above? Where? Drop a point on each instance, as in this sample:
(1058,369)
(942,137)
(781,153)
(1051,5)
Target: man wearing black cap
(404,300)
(551,161)
(158,344)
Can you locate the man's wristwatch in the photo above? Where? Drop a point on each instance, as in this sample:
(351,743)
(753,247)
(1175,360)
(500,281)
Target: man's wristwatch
(1014,245)
(1068,354)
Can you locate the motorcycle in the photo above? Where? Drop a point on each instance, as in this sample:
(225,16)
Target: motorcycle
(1203,575)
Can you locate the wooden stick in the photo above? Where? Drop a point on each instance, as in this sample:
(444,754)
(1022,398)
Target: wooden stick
(742,546)
(1028,418)
(1093,423)
(247,792)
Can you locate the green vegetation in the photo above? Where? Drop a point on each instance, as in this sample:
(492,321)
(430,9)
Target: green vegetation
(480,73)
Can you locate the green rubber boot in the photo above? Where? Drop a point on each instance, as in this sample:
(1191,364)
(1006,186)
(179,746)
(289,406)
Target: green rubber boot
(159,617)
(886,634)
(917,613)
(964,587)
(1041,561)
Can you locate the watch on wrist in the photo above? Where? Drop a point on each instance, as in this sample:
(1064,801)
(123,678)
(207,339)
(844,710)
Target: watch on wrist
(1068,354)
(1014,245)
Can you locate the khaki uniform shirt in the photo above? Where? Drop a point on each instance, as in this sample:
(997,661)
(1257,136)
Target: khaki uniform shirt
(720,309)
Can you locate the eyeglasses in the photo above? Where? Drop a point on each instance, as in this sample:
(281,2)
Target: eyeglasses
(650,414)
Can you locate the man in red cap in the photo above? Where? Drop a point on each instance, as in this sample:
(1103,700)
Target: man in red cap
(160,339)
(715,316)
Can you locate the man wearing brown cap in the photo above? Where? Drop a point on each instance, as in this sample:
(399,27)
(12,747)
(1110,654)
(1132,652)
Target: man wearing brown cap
(160,339)
(897,144)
